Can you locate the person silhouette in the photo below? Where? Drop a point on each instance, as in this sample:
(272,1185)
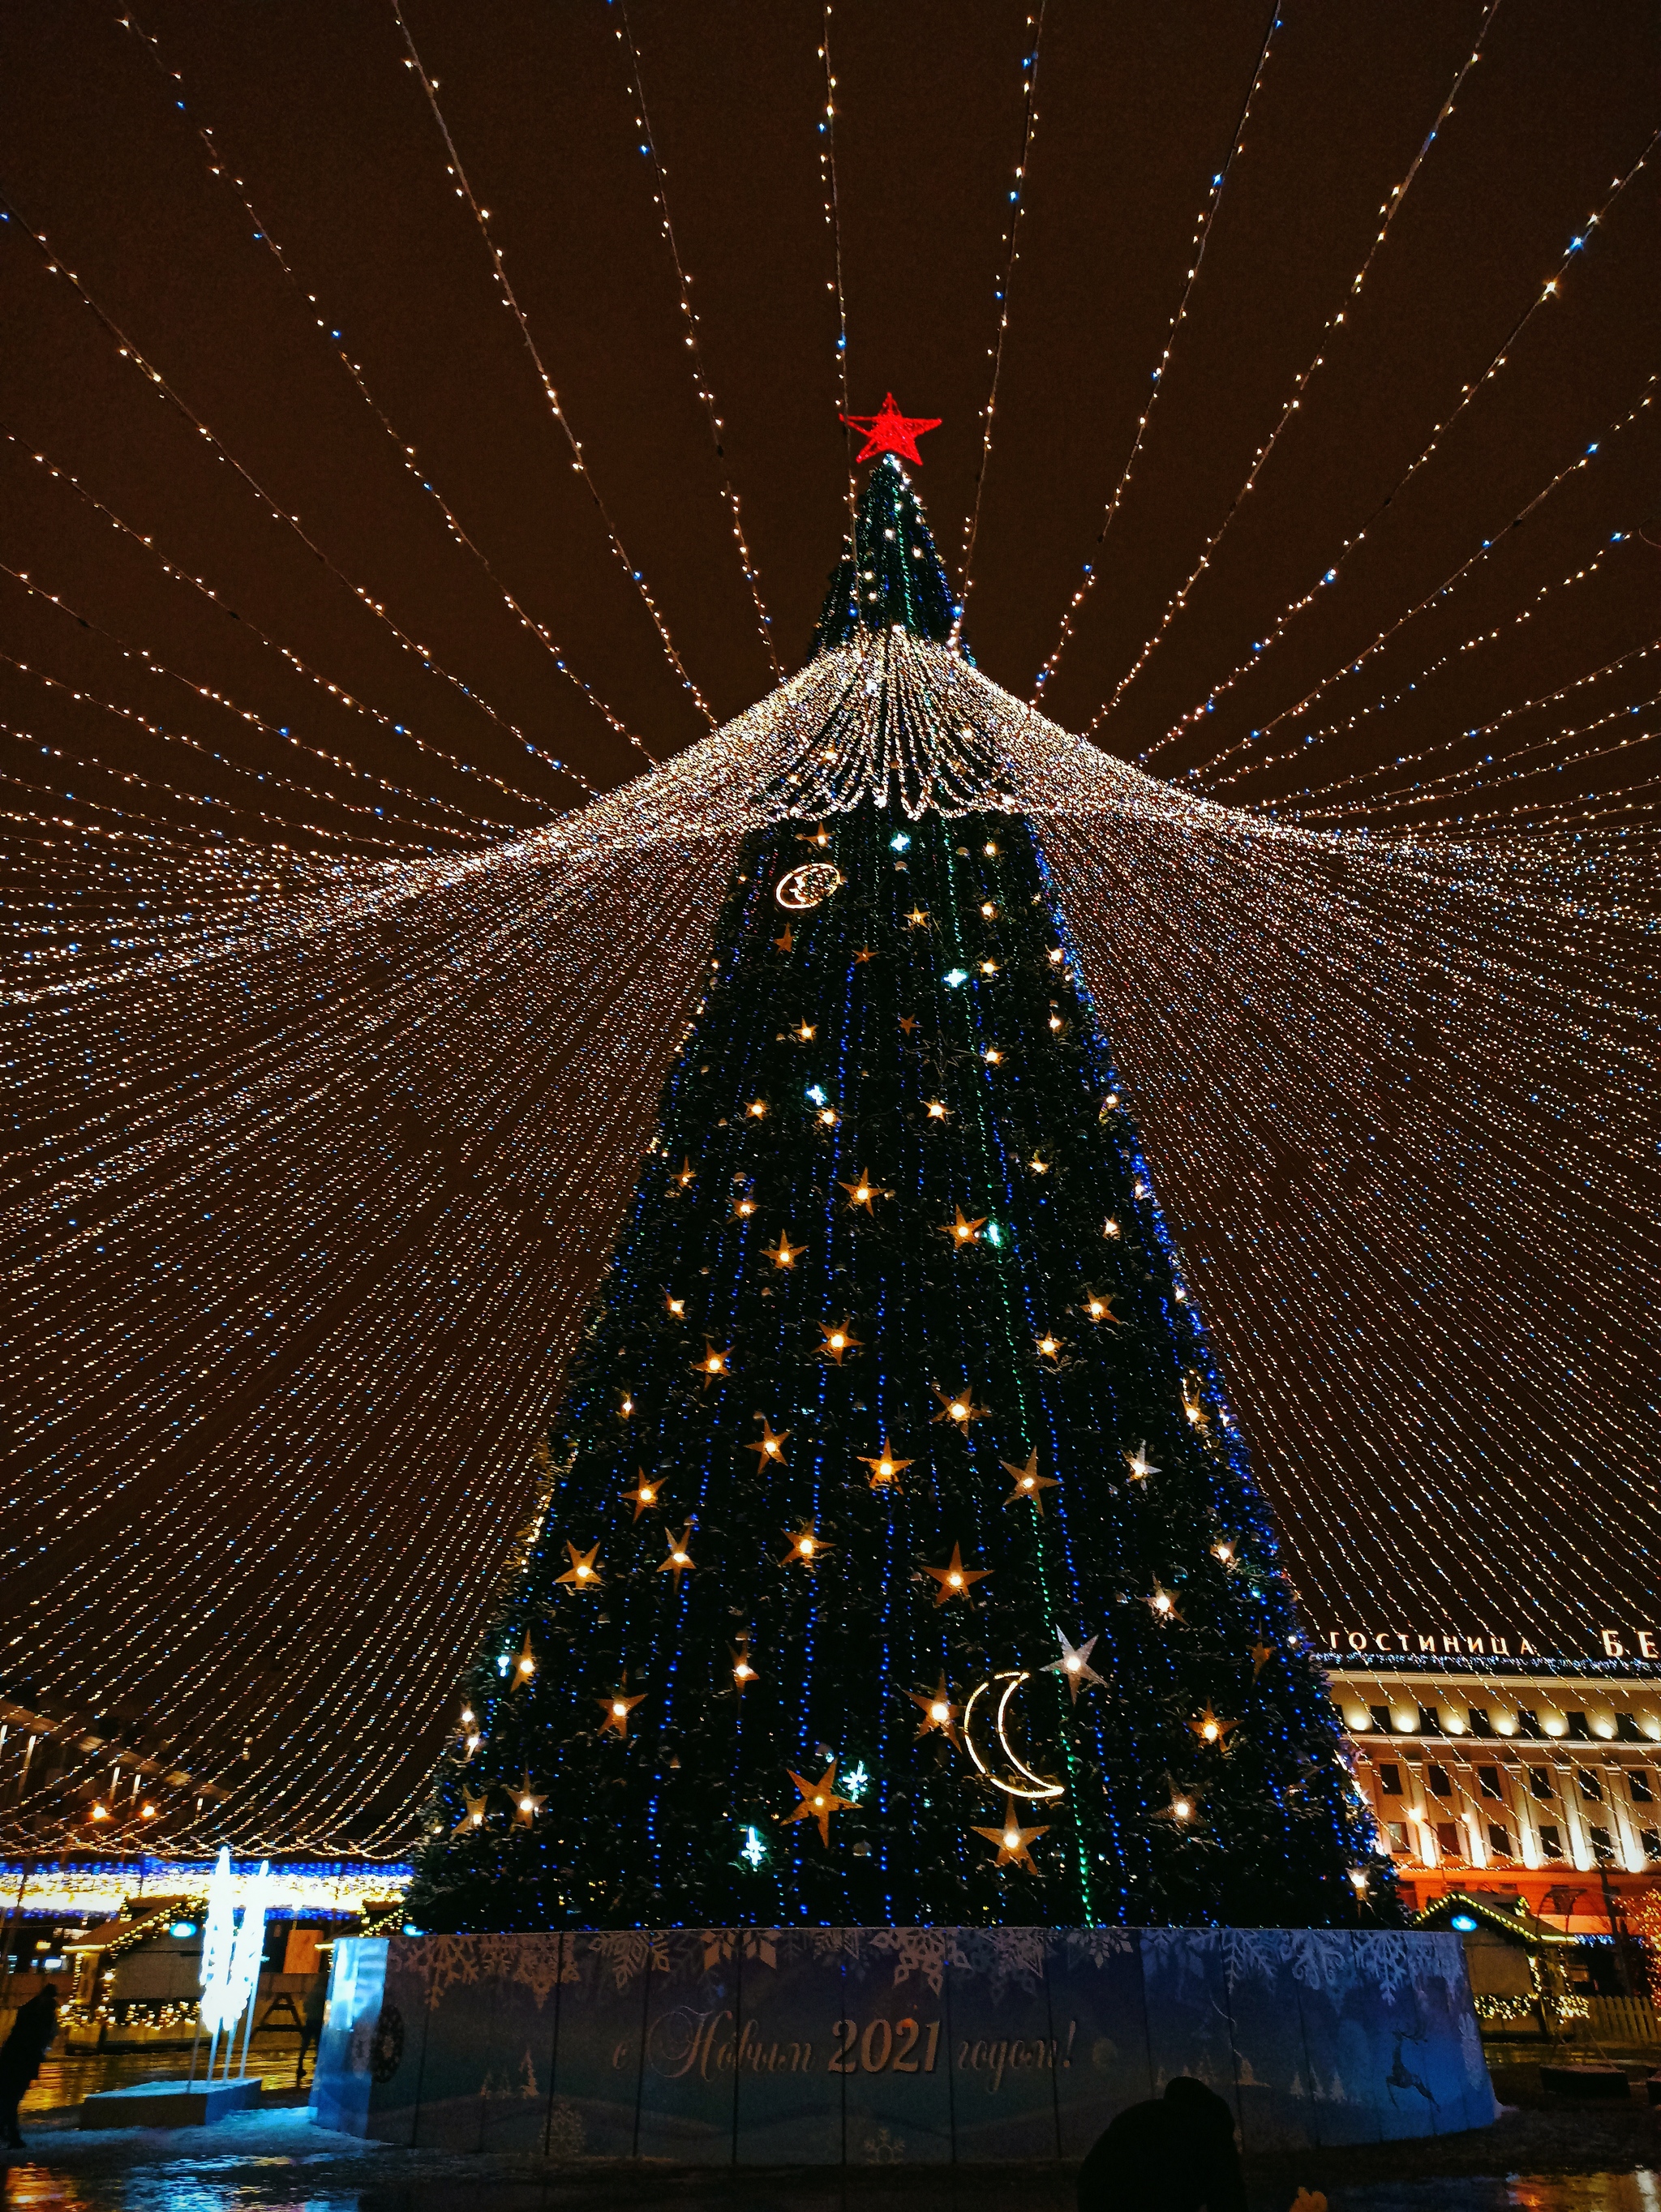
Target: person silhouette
(21,2056)
(1174,2153)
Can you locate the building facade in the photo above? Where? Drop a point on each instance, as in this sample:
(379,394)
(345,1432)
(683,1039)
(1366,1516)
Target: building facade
(1524,1778)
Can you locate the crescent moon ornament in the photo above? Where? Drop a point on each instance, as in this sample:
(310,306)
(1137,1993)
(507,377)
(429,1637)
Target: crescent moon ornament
(1019,1779)
(807,886)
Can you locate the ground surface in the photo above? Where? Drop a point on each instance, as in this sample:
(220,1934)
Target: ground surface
(1541,2156)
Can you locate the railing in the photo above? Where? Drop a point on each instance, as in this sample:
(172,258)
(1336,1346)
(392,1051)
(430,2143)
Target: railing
(1624,2019)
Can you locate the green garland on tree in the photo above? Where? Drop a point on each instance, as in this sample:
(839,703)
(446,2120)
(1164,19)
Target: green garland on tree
(901,1561)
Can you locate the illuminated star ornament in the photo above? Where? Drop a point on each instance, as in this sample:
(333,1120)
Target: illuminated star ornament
(839,1337)
(648,1494)
(771,1443)
(617,1707)
(937,1713)
(886,1469)
(1075,1664)
(888,431)
(474,1815)
(819,1801)
(582,1573)
(526,1803)
(1012,1840)
(1028,1482)
(954,1579)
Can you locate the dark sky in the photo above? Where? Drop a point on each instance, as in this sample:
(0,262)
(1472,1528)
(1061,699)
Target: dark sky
(314,108)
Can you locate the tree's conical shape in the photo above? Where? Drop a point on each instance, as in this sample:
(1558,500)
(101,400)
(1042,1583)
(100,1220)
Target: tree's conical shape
(900,1561)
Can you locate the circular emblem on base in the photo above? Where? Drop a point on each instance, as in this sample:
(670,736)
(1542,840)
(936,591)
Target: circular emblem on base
(806,886)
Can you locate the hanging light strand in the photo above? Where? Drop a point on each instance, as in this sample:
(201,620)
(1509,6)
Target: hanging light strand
(1387,631)
(833,220)
(1002,297)
(1409,688)
(127,351)
(701,384)
(404,452)
(510,298)
(1283,621)
(151,666)
(1336,809)
(1196,253)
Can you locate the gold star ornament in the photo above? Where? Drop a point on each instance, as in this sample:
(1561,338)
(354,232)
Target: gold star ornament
(1209,1728)
(862,1192)
(962,1230)
(680,1558)
(957,1406)
(526,1803)
(839,1339)
(769,1446)
(955,1579)
(784,1254)
(713,1363)
(1013,1841)
(938,1711)
(582,1573)
(819,1801)
(886,1469)
(1028,1482)
(474,1815)
(649,1493)
(617,1707)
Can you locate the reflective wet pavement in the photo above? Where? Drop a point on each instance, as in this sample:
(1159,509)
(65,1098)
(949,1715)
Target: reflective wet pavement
(274,2160)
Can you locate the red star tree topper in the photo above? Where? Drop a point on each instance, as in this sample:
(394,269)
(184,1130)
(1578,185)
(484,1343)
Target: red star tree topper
(888,431)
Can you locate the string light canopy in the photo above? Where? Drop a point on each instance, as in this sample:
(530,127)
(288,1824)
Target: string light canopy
(319,1157)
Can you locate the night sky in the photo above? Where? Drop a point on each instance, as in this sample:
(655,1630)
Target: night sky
(314,108)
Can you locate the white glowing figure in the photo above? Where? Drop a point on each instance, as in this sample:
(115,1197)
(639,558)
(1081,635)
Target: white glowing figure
(231,1955)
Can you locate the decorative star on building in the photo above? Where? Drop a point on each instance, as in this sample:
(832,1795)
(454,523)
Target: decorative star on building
(769,1446)
(582,1573)
(1074,1665)
(617,1707)
(680,1559)
(888,431)
(1028,1482)
(819,1801)
(649,1493)
(955,1579)
(784,1254)
(938,1711)
(886,1469)
(839,1339)
(963,1230)
(527,1804)
(1012,1839)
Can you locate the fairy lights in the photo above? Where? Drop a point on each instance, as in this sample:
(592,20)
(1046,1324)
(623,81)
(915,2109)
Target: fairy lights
(1288,614)
(1196,253)
(695,344)
(510,299)
(404,452)
(1335,321)
(126,350)
(1001,295)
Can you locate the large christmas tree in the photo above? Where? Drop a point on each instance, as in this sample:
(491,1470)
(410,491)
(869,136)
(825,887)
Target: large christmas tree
(899,1561)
